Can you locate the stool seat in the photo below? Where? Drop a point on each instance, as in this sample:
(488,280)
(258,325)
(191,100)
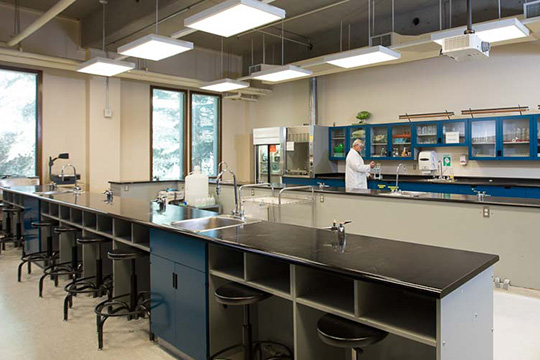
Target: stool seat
(123,254)
(237,294)
(43,223)
(65,229)
(343,333)
(84,240)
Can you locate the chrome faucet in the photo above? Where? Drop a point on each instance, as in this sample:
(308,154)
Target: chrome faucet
(251,186)
(77,187)
(237,212)
(441,177)
(396,189)
(162,202)
(109,194)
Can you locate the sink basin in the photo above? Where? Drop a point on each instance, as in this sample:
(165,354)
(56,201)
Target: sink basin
(211,223)
(409,194)
(54,192)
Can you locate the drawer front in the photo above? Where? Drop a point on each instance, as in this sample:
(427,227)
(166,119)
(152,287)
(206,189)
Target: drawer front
(182,249)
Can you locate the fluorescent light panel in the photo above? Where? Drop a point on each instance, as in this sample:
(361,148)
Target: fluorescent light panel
(105,67)
(362,57)
(155,47)
(492,32)
(225,85)
(234,16)
(281,73)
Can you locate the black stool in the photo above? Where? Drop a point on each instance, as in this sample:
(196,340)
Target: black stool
(97,285)
(72,268)
(49,256)
(139,302)
(339,332)
(234,294)
(16,237)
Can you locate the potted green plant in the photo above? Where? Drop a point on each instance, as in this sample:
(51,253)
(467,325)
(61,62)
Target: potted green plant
(363,116)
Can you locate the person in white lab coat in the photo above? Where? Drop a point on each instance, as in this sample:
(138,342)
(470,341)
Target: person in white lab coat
(356,172)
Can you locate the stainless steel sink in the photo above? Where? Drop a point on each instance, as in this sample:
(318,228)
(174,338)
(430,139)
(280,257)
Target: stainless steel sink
(54,192)
(410,194)
(444,181)
(211,223)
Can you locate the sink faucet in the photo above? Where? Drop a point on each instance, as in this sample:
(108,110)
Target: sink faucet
(396,189)
(237,212)
(77,187)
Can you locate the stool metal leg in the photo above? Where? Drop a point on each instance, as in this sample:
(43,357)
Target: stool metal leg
(247,340)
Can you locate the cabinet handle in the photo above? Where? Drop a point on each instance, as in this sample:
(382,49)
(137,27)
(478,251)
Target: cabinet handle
(498,152)
(175,281)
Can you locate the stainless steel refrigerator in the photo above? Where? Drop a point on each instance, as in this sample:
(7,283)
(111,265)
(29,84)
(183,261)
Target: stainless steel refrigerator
(268,146)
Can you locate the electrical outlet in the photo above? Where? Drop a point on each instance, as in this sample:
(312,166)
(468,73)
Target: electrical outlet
(252,192)
(321,198)
(486,212)
(126,188)
(107,113)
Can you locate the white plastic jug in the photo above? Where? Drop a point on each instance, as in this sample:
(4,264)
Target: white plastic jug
(196,187)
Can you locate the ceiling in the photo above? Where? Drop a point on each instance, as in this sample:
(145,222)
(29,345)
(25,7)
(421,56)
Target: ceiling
(307,36)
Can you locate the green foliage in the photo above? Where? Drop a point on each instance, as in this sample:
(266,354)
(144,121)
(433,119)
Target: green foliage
(363,116)
(205,133)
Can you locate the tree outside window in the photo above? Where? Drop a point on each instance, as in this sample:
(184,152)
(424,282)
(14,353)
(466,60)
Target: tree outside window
(205,122)
(168,118)
(18,122)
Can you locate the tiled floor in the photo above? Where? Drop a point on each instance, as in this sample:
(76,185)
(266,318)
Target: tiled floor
(32,328)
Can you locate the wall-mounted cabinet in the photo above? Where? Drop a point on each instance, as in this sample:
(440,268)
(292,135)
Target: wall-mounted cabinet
(339,138)
(500,138)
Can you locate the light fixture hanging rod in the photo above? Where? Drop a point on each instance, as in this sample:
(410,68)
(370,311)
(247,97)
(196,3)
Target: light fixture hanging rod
(286,39)
(296,17)
(166,18)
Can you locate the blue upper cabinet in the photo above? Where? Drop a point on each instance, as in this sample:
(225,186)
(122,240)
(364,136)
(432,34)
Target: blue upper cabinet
(506,138)
(427,134)
(359,132)
(402,146)
(484,144)
(339,140)
(379,145)
(515,138)
(453,132)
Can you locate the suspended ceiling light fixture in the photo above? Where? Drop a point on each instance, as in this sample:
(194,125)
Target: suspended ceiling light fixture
(232,17)
(155,47)
(362,57)
(225,84)
(103,66)
(283,72)
(492,32)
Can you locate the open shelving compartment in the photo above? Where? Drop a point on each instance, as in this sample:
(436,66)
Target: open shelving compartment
(140,236)
(325,291)
(90,220)
(44,207)
(65,213)
(268,274)
(76,216)
(397,311)
(53,210)
(226,263)
(122,231)
(105,225)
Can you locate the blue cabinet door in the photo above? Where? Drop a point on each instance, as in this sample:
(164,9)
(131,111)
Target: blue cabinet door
(31,213)
(182,249)
(192,312)
(339,141)
(163,298)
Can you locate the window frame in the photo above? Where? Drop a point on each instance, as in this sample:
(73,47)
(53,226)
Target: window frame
(39,115)
(186,116)
(220,126)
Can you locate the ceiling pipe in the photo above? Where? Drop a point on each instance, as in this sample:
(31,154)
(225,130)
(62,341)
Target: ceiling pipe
(313,102)
(42,20)
(470,29)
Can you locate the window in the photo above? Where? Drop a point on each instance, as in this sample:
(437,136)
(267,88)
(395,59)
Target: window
(205,132)
(20,114)
(168,123)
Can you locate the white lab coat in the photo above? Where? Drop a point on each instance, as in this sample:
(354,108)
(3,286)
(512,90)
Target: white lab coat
(356,172)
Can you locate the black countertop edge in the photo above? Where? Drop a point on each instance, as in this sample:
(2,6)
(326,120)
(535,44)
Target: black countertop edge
(351,273)
(459,180)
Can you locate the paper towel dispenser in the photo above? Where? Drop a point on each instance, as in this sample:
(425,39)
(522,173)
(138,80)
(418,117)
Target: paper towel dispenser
(428,161)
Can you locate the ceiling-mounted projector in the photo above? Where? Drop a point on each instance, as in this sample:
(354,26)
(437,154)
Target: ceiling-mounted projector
(465,47)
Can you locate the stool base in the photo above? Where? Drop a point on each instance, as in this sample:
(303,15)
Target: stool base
(86,285)
(41,256)
(113,307)
(57,270)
